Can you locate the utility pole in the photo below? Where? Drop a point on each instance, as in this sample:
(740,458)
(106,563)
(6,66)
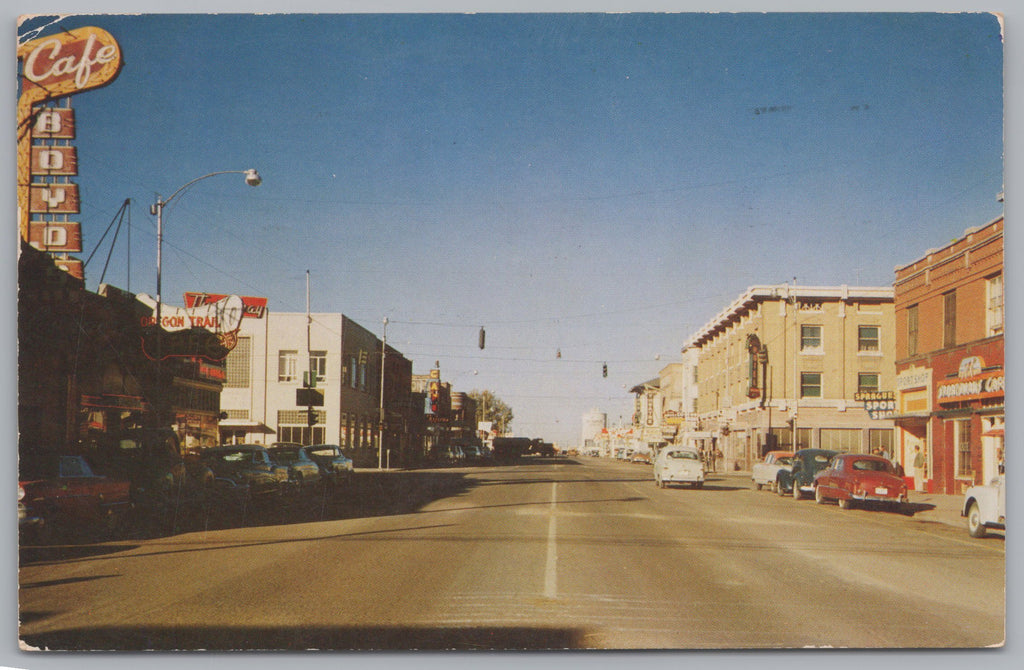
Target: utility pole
(380,431)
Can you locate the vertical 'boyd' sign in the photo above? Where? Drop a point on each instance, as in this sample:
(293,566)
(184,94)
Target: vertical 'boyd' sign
(52,67)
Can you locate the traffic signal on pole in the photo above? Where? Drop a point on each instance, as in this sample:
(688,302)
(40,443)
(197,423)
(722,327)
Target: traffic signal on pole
(483,336)
(311,417)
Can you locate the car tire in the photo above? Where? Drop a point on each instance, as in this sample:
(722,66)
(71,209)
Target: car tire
(758,485)
(974,525)
(846,503)
(779,488)
(797,493)
(818,497)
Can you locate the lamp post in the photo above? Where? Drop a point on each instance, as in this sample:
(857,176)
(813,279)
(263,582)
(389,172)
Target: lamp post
(252,178)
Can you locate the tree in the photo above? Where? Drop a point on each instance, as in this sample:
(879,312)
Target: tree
(490,407)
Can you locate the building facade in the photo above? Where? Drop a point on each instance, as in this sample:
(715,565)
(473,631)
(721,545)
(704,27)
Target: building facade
(950,400)
(794,367)
(278,356)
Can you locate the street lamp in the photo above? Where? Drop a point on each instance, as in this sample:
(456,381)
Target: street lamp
(252,178)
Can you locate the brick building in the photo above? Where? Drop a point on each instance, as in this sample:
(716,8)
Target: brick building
(949,360)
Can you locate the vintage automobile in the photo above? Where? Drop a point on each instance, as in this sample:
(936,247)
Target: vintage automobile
(799,478)
(303,471)
(859,478)
(766,472)
(61,491)
(335,467)
(678,465)
(245,471)
(151,459)
(985,506)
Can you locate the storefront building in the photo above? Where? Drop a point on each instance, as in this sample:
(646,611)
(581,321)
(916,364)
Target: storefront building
(950,398)
(795,367)
(282,355)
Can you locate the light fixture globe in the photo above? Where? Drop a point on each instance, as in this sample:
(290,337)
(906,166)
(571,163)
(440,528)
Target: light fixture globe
(252,178)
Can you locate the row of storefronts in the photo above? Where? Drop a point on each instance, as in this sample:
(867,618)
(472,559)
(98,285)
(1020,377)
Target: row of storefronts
(913,371)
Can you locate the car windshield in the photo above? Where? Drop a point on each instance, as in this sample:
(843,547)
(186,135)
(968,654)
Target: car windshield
(871,464)
(784,460)
(686,455)
(235,456)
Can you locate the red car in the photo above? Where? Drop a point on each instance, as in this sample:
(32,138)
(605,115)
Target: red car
(853,478)
(61,491)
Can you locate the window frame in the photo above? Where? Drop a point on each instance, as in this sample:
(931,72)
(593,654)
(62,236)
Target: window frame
(805,385)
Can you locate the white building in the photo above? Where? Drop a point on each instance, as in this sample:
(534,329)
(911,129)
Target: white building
(265,377)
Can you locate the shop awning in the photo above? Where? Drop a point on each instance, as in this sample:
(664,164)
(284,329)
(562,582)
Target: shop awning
(995,432)
(248,426)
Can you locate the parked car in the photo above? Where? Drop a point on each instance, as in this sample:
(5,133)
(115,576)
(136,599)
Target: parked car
(799,478)
(449,455)
(766,472)
(303,472)
(152,460)
(335,467)
(851,478)
(677,464)
(61,491)
(245,471)
(472,452)
(985,506)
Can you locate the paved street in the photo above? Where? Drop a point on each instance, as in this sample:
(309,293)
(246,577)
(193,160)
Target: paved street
(566,553)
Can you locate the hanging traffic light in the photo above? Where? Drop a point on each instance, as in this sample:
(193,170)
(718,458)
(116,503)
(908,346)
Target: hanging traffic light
(604,370)
(483,336)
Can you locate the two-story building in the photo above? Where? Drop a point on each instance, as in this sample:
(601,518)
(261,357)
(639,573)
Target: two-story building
(276,360)
(794,367)
(950,381)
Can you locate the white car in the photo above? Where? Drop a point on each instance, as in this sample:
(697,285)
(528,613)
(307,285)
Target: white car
(766,472)
(678,464)
(985,506)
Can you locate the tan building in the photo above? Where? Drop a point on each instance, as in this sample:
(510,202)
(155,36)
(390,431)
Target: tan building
(797,367)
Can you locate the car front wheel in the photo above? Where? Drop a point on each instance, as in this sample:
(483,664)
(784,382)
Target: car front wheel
(818,497)
(974,525)
(845,503)
(797,493)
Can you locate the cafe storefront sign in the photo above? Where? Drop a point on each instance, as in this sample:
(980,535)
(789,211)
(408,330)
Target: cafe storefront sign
(972,383)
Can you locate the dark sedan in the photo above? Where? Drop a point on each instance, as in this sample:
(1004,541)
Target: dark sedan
(335,466)
(245,470)
(303,472)
(851,478)
(799,479)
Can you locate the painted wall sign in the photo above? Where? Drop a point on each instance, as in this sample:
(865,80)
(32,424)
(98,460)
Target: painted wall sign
(56,236)
(988,385)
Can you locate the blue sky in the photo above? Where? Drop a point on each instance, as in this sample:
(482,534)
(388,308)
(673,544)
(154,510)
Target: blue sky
(596,184)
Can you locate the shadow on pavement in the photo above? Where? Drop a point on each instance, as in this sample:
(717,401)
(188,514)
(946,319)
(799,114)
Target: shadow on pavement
(402,638)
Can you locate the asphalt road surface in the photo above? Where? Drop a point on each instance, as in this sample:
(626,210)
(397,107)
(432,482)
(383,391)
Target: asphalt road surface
(547,554)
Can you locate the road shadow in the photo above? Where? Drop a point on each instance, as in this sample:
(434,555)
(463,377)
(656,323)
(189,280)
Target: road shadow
(306,638)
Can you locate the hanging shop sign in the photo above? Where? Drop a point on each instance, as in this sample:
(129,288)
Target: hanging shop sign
(878,404)
(54,67)
(206,331)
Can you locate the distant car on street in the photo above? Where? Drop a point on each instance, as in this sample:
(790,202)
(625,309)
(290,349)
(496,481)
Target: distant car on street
(766,472)
(860,478)
(335,467)
(798,480)
(984,506)
(678,465)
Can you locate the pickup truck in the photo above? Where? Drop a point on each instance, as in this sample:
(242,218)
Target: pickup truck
(985,506)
